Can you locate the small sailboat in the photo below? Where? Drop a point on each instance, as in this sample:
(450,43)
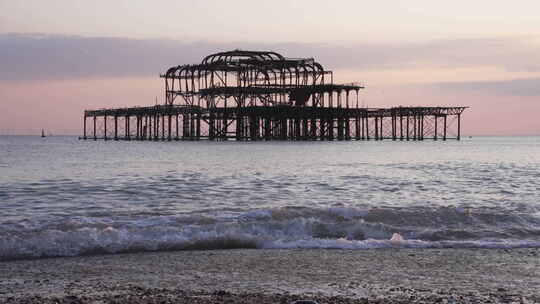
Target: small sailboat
(42,133)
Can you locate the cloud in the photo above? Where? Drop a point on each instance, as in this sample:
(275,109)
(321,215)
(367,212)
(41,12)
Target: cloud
(40,56)
(525,87)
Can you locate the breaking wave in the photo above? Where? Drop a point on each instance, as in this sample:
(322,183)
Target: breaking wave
(286,227)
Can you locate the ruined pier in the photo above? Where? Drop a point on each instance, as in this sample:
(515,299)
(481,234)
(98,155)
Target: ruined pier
(246,95)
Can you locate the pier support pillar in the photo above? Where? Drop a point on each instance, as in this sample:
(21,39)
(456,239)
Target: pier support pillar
(115,127)
(177,137)
(169,126)
(128,132)
(435,135)
(84,127)
(444,134)
(459,126)
(95,135)
(162,126)
(105,127)
(367,127)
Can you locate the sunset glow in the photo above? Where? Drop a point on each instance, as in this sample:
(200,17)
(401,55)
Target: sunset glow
(61,57)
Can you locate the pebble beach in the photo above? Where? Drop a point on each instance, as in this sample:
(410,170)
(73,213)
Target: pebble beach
(279,276)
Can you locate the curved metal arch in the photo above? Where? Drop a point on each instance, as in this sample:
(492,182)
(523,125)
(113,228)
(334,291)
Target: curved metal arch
(213,58)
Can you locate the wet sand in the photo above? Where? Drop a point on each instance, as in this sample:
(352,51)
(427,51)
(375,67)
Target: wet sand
(279,276)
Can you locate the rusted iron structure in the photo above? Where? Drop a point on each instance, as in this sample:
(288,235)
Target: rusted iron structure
(247,95)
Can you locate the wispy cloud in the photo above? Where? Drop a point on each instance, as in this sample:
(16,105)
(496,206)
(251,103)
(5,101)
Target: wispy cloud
(515,87)
(40,56)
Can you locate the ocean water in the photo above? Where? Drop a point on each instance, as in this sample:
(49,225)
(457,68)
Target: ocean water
(60,196)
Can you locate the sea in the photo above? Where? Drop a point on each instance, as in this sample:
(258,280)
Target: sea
(61,196)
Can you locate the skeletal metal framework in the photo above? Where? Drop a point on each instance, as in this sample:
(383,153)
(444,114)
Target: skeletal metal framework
(248,95)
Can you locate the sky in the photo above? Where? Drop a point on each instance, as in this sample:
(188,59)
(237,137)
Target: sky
(60,57)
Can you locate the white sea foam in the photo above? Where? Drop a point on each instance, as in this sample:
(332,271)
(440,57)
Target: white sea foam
(337,228)
(63,197)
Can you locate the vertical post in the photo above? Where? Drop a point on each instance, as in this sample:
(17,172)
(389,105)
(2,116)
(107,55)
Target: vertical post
(435,136)
(163,126)
(322,122)
(376,128)
(105,127)
(357,126)
(84,127)
(95,136)
(444,134)
(419,132)
(145,133)
(140,124)
(169,127)
(156,125)
(347,126)
(313,129)
(459,126)
(381,136)
(394,125)
(367,127)
(115,127)
(177,136)
(415,127)
(400,124)
(422,126)
(305,127)
(407,125)
(198,126)
(128,132)
(191,126)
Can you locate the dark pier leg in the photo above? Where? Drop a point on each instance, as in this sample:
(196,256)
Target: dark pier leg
(149,127)
(422,127)
(376,128)
(169,127)
(347,127)
(267,128)
(444,134)
(415,127)
(459,127)
(191,126)
(115,127)
(313,129)
(156,127)
(128,131)
(239,127)
(198,126)
(367,127)
(331,128)
(297,129)
(340,128)
(84,128)
(357,127)
(105,127)
(162,126)
(400,126)
(95,135)
(177,137)
(322,128)
(286,129)
(435,135)
(407,126)
(381,135)
(211,126)
(185,127)
(394,127)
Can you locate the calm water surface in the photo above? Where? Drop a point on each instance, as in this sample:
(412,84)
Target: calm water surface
(61,197)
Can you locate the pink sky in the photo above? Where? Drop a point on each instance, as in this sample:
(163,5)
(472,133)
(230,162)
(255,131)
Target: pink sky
(485,54)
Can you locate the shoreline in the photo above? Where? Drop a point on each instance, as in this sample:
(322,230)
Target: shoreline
(277,275)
